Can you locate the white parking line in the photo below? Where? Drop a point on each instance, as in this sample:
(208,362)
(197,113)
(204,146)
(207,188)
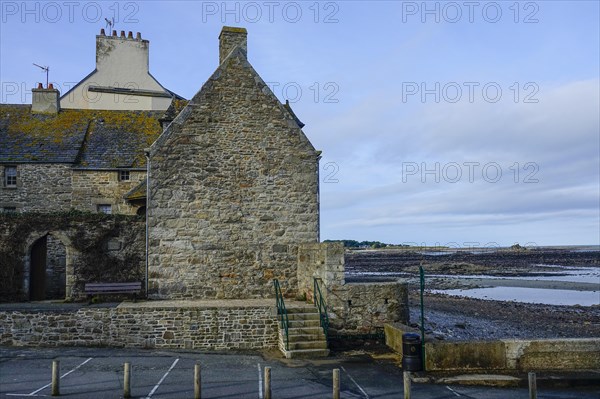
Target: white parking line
(260,393)
(162,379)
(50,383)
(453,391)
(355,383)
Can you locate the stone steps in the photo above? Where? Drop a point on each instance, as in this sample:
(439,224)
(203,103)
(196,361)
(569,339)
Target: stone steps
(303,323)
(303,316)
(306,338)
(301,345)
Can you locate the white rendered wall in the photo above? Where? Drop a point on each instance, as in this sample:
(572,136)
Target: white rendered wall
(120,62)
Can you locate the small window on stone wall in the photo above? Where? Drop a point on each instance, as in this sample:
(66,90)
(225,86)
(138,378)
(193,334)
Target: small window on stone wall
(105,208)
(9,209)
(123,175)
(10,176)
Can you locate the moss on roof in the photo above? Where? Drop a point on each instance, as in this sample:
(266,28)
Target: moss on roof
(85,138)
(137,193)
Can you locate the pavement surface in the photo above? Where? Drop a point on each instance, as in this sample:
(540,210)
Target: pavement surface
(98,373)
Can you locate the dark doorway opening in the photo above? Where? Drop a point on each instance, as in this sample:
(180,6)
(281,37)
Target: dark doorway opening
(37,277)
(47,279)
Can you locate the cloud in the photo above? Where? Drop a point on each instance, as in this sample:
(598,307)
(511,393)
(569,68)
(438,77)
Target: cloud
(547,153)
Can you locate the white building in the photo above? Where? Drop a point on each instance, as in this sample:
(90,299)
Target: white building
(121,80)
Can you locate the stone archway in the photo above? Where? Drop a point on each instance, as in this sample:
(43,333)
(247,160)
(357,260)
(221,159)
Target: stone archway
(48,272)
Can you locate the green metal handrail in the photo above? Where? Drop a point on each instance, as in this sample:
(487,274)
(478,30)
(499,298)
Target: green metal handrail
(282,312)
(322,306)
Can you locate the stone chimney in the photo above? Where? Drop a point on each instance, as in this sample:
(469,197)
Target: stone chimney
(229,39)
(45,101)
(122,56)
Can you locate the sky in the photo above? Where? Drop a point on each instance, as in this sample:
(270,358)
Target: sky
(465,124)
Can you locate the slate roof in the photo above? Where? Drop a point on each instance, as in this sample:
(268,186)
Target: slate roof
(87,139)
(174,109)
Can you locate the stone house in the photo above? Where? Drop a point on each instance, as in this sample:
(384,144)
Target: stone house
(233,185)
(83,151)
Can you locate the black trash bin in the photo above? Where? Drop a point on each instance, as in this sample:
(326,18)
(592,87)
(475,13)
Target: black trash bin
(412,358)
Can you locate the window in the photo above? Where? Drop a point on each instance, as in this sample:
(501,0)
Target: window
(124,175)
(9,209)
(10,176)
(105,208)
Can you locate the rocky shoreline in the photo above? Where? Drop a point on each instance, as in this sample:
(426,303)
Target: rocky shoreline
(458,318)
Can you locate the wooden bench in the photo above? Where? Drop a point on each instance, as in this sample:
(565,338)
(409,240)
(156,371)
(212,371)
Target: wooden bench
(113,288)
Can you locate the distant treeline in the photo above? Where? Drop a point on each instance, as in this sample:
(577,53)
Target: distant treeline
(365,244)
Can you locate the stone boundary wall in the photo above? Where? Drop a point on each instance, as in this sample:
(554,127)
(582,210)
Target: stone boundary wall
(363,308)
(504,355)
(156,327)
(355,308)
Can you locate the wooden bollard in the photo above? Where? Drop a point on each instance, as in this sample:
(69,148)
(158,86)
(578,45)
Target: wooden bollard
(55,378)
(197,382)
(532,386)
(336,383)
(406,378)
(127,380)
(267,382)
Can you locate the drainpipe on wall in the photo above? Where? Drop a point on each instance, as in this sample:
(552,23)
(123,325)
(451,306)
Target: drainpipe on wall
(147,153)
(318,196)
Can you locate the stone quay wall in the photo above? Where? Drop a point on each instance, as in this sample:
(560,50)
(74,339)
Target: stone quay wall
(355,308)
(188,327)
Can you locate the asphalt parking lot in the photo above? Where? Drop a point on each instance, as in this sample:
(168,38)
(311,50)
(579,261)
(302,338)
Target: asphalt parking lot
(98,373)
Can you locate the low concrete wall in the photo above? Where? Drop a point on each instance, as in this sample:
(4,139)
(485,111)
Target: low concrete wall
(504,355)
(145,325)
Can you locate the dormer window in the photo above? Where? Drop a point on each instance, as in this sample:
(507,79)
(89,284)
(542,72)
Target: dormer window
(10,176)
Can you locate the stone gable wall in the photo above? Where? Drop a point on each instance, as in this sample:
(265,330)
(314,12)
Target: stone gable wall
(233,190)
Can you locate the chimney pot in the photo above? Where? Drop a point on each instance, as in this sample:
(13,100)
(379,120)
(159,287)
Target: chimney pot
(102,33)
(114,33)
(40,86)
(122,33)
(138,36)
(130,35)
(50,86)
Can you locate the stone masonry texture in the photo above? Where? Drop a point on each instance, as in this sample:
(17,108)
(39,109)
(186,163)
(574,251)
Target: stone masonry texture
(186,327)
(357,308)
(97,248)
(233,191)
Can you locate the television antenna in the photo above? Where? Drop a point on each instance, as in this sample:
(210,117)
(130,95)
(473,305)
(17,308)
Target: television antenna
(44,69)
(110,23)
